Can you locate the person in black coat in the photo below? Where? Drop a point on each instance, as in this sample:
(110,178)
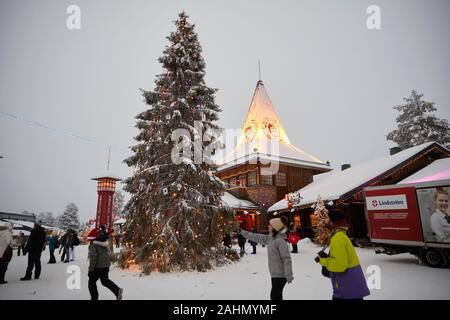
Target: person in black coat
(34,247)
(241,243)
(253,243)
(227,239)
(67,245)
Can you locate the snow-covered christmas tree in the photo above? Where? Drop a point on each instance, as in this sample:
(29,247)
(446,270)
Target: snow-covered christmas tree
(69,218)
(175,219)
(118,203)
(417,124)
(47,219)
(321,213)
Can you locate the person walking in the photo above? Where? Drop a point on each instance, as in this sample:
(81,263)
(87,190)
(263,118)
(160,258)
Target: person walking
(99,263)
(21,241)
(52,241)
(75,242)
(34,247)
(342,263)
(241,243)
(279,257)
(6,251)
(293,238)
(67,243)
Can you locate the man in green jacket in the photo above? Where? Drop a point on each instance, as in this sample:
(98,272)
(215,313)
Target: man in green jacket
(99,263)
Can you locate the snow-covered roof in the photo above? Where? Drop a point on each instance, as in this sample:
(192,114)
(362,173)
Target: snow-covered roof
(263,138)
(107,175)
(16,232)
(120,221)
(27,224)
(437,170)
(337,183)
(235,203)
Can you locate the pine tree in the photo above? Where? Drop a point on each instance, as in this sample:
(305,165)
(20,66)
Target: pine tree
(417,124)
(118,203)
(47,219)
(174,217)
(69,218)
(321,213)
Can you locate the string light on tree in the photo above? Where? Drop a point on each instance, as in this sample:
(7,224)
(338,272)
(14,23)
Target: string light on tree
(184,233)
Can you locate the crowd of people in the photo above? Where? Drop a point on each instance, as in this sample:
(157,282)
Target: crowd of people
(39,238)
(33,246)
(340,264)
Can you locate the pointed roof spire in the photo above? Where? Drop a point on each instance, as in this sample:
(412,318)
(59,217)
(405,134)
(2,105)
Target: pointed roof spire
(263,135)
(262,121)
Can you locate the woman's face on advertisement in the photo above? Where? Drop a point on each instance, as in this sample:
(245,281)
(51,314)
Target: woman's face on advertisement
(442,202)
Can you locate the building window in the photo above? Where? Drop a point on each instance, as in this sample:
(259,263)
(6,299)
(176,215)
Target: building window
(297,221)
(251,178)
(243,180)
(313,219)
(232,182)
(281,179)
(266,180)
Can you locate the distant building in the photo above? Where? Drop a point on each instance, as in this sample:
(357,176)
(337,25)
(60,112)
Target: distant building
(18,216)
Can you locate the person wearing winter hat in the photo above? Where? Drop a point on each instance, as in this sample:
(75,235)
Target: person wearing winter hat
(5,249)
(347,277)
(279,257)
(99,263)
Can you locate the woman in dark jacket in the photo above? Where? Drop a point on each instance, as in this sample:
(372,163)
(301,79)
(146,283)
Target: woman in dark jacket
(99,264)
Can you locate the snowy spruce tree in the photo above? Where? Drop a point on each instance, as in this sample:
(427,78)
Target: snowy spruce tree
(47,219)
(417,124)
(118,203)
(321,213)
(174,217)
(69,218)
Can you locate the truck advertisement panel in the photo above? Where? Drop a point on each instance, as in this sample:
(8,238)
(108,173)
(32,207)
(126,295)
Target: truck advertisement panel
(434,213)
(393,214)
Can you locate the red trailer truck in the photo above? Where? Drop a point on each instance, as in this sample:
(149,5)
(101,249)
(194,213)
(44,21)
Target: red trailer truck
(412,218)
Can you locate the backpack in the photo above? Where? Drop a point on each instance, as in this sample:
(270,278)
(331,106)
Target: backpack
(76,241)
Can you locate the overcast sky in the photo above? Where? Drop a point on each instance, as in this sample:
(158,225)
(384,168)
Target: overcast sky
(332,80)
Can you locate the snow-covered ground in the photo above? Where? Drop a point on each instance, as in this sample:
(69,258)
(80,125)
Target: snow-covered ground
(402,277)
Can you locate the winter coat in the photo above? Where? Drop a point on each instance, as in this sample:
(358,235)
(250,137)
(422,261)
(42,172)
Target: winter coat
(227,240)
(21,240)
(98,255)
(347,277)
(253,243)
(5,238)
(52,242)
(67,239)
(241,240)
(36,241)
(279,257)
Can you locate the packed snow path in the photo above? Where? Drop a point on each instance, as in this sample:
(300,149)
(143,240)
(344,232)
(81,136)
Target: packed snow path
(402,277)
